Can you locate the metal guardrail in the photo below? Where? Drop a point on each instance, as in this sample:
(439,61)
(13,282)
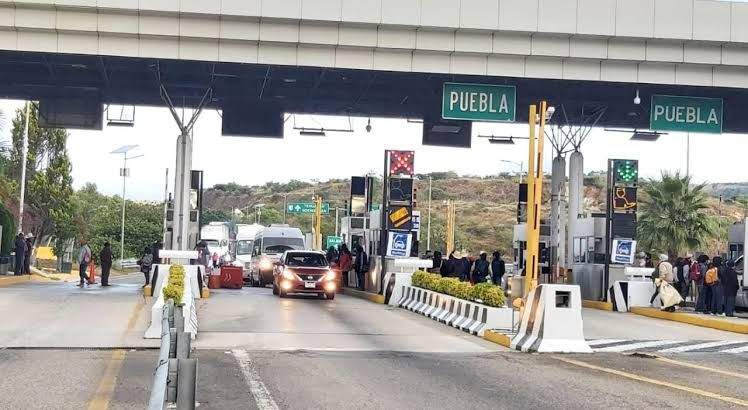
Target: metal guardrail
(157,400)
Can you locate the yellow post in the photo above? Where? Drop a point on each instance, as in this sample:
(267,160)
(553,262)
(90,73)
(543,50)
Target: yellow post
(318,222)
(531,254)
(538,191)
(450,228)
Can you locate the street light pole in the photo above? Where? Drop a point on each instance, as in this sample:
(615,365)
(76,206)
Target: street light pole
(124,173)
(24,156)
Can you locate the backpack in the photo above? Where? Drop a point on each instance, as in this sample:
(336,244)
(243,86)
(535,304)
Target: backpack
(694,273)
(712,276)
(145,263)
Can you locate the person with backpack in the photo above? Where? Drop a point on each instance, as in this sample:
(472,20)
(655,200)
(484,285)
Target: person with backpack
(480,269)
(145,262)
(697,275)
(711,284)
(84,258)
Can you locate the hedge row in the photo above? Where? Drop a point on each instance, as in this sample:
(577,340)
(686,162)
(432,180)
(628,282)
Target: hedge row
(174,288)
(485,293)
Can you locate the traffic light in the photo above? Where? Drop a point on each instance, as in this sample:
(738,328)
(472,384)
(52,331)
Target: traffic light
(625,171)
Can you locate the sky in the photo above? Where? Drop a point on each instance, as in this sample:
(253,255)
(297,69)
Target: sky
(253,161)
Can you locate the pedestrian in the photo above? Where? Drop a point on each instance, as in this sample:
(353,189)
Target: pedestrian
(711,283)
(332,255)
(145,262)
(663,273)
(498,268)
(27,255)
(155,248)
(678,274)
(698,274)
(344,263)
(717,288)
(481,269)
(437,262)
(730,288)
(105,259)
(448,267)
(20,249)
(84,258)
(361,267)
(461,266)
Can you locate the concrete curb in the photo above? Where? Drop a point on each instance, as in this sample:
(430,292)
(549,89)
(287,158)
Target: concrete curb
(371,297)
(693,319)
(498,338)
(596,304)
(12,279)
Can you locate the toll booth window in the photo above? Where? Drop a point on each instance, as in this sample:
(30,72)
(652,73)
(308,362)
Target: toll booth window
(563,299)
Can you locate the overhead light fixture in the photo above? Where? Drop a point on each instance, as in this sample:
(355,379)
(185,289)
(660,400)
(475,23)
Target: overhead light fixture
(645,136)
(501,140)
(637,100)
(447,129)
(320,132)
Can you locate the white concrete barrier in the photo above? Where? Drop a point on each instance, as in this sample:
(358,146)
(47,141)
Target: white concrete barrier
(160,273)
(552,321)
(627,294)
(468,316)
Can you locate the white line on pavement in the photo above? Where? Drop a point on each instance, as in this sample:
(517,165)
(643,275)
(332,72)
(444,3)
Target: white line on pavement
(634,346)
(742,349)
(681,349)
(261,394)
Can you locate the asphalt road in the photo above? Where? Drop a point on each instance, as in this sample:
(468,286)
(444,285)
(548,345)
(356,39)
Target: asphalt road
(257,351)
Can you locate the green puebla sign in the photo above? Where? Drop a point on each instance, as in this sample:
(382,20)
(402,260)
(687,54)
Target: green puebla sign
(686,114)
(479,102)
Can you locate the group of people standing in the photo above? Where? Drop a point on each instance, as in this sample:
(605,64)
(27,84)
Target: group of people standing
(714,281)
(85,257)
(23,246)
(478,271)
(346,262)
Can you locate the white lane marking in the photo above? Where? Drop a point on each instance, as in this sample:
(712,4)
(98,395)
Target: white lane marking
(604,341)
(698,346)
(634,346)
(261,394)
(742,349)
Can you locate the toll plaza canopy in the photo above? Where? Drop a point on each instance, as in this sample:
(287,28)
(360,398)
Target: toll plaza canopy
(381,58)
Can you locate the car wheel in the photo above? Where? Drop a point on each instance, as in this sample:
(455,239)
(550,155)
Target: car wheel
(330,296)
(275,289)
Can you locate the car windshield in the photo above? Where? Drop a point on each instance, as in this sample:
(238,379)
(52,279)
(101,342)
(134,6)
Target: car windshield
(278,245)
(211,242)
(244,247)
(312,260)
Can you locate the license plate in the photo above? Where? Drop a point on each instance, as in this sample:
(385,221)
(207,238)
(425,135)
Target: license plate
(310,285)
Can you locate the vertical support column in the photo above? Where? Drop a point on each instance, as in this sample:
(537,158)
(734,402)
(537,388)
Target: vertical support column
(180,235)
(558,189)
(532,245)
(576,193)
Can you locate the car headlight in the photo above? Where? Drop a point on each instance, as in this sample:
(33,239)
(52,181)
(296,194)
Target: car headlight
(331,275)
(288,275)
(266,264)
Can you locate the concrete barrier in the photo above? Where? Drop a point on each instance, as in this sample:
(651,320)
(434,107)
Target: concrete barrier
(468,316)
(627,294)
(192,282)
(552,321)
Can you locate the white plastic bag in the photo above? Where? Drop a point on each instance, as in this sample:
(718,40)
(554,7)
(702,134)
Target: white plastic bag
(669,296)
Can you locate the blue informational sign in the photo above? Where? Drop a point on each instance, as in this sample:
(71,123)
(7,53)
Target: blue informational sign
(623,251)
(398,245)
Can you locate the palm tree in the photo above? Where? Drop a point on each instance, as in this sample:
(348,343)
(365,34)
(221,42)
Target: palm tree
(673,218)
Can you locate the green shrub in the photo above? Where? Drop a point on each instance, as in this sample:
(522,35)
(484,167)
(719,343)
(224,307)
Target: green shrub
(462,290)
(418,278)
(431,281)
(174,288)
(447,285)
(488,294)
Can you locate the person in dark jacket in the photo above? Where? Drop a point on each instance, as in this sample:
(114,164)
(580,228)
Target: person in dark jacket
(105,259)
(730,288)
(361,266)
(447,270)
(498,268)
(145,262)
(437,262)
(461,267)
(701,303)
(155,248)
(27,255)
(717,298)
(480,268)
(20,249)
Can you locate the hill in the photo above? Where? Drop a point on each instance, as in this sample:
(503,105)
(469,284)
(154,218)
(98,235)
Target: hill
(486,206)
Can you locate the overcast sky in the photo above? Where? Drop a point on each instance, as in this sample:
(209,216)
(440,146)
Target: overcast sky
(251,161)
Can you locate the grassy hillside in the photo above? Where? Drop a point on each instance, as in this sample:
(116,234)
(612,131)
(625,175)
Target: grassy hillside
(486,207)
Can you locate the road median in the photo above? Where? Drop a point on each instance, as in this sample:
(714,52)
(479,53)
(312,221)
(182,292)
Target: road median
(714,322)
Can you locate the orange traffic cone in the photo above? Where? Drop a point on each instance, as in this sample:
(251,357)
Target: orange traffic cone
(92,273)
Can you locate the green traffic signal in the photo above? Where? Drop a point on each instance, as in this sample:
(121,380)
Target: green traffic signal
(626,171)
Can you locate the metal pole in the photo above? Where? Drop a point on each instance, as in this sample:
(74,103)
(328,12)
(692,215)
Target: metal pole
(24,158)
(688,154)
(608,229)
(521,170)
(383,220)
(122,231)
(336,222)
(285,206)
(428,231)
(166,206)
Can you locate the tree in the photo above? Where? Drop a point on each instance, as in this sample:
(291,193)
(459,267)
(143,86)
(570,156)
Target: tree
(49,183)
(214,215)
(673,217)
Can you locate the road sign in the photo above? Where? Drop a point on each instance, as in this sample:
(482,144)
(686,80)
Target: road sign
(623,251)
(479,102)
(686,114)
(334,241)
(306,208)
(399,217)
(398,245)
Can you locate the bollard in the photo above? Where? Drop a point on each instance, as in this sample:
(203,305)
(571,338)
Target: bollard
(170,303)
(184,344)
(173,343)
(186,382)
(179,319)
(172,381)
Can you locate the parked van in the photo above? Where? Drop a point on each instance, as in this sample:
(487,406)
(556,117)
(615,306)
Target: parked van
(269,245)
(245,239)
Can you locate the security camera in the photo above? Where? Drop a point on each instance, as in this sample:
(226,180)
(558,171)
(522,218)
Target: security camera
(637,100)
(368,126)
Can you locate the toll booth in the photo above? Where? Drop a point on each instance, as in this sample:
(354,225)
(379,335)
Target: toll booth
(519,250)
(736,238)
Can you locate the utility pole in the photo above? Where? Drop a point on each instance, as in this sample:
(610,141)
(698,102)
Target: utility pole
(285,206)
(428,217)
(124,173)
(24,155)
(318,222)
(336,221)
